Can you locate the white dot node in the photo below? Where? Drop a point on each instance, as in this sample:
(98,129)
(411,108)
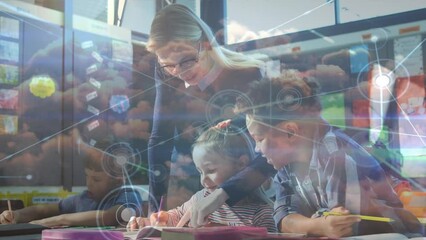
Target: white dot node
(127,213)
(157,173)
(382,81)
(29,177)
(121,160)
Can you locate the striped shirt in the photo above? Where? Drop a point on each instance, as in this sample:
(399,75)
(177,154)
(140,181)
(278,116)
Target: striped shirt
(257,214)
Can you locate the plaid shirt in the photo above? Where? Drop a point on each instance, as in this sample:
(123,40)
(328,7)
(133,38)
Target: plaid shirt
(341,173)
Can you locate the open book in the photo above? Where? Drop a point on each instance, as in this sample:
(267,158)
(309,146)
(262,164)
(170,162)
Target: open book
(146,232)
(204,233)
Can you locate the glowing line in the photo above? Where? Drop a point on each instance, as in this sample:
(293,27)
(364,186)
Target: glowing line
(378,58)
(393,97)
(67,128)
(325,38)
(408,119)
(381,90)
(115,157)
(408,55)
(12,8)
(127,176)
(295,18)
(412,182)
(139,166)
(381,108)
(103,111)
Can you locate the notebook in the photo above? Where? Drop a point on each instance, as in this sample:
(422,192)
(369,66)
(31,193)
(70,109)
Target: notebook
(204,233)
(213,233)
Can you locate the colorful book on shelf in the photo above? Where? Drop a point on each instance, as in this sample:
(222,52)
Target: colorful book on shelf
(213,233)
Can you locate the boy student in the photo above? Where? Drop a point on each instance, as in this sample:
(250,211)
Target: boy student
(325,180)
(219,153)
(105,201)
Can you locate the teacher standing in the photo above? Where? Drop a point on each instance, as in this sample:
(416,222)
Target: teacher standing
(197,83)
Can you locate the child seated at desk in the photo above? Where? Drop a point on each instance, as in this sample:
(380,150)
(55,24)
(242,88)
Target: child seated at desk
(101,204)
(219,153)
(320,169)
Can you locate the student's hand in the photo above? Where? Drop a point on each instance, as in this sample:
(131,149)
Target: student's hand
(136,223)
(341,225)
(7,217)
(159,218)
(206,206)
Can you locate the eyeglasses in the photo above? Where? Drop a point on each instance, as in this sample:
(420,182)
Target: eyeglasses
(185,64)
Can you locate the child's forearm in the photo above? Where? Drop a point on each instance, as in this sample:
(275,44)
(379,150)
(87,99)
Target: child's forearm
(90,218)
(35,212)
(329,226)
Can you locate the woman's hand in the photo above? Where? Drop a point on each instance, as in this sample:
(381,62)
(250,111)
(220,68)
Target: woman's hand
(206,206)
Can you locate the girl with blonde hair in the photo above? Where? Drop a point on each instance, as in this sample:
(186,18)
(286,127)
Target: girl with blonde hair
(219,153)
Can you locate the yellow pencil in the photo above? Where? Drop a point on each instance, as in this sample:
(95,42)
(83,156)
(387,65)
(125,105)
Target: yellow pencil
(363,217)
(9,205)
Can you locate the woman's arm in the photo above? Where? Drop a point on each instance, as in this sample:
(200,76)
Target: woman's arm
(160,145)
(244,182)
(177,213)
(233,190)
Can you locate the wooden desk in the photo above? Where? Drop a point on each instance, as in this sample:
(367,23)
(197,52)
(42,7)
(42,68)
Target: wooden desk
(23,237)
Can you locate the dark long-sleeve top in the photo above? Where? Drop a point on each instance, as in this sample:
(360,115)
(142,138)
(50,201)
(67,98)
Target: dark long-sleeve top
(180,110)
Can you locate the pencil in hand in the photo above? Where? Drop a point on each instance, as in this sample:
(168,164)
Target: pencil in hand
(9,207)
(160,208)
(363,217)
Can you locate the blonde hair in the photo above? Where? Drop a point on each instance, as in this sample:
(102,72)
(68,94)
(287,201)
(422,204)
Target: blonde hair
(227,141)
(176,22)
